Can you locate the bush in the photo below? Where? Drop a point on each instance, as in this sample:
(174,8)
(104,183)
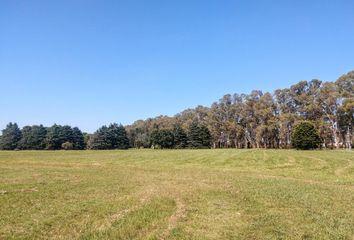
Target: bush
(163,138)
(305,136)
(67,146)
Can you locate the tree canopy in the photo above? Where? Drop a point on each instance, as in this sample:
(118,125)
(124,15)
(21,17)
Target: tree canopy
(112,137)
(255,120)
(305,136)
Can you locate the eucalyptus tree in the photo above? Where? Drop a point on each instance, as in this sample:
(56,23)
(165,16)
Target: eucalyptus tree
(328,100)
(345,86)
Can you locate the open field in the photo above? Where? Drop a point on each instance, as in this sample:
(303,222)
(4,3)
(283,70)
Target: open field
(182,194)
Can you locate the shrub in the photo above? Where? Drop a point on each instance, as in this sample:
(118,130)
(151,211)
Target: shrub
(305,136)
(67,146)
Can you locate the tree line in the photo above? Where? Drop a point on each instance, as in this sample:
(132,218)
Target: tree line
(266,120)
(114,136)
(56,137)
(255,120)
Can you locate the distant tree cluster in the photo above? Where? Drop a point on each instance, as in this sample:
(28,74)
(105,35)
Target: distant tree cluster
(112,137)
(197,136)
(57,137)
(38,137)
(265,120)
(255,120)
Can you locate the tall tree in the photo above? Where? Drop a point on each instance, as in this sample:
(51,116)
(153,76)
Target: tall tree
(205,136)
(155,138)
(33,137)
(99,140)
(54,138)
(194,138)
(328,101)
(112,137)
(180,137)
(78,140)
(166,138)
(199,136)
(345,86)
(57,135)
(120,140)
(11,136)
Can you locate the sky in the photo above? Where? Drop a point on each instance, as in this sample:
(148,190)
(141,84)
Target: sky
(89,63)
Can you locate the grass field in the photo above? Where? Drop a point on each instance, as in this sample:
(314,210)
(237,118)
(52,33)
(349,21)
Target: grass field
(182,194)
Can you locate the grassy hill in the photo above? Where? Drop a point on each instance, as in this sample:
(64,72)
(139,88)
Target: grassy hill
(177,194)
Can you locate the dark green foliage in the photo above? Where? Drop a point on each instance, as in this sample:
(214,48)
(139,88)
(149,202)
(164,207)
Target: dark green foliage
(78,139)
(11,136)
(54,138)
(199,136)
(205,136)
(112,137)
(305,136)
(194,140)
(166,138)
(98,140)
(66,133)
(57,135)
(33,138)
(155,138)
(180,137)
(162,138)
(25,141)
(120,136)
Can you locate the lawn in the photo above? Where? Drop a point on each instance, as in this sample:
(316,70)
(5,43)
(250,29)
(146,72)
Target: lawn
(177,194)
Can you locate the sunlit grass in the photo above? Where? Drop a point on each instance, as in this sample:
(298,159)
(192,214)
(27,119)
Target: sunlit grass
(177,194)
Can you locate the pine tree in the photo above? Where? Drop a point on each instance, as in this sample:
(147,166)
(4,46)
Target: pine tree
(98,140)
(122,141)
(305,136)
(112,137)
(26,138)
(53,139)
(33,137)
(166,138)
(11,136)
(199,136)
(194,138)
(205,136)
(155,138)
(180,137)
(77,139)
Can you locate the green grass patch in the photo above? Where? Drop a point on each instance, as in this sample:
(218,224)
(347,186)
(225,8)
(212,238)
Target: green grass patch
(177,194)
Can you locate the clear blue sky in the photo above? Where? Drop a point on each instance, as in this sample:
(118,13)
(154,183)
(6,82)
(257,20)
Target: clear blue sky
(88,63)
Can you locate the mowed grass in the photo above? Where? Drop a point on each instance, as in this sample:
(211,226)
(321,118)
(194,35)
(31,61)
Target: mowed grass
(177,194)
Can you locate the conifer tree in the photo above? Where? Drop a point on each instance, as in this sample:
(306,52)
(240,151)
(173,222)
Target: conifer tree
(11,136)
(194,138)
(77,139)
(33,137)
(205,136)
(180,137)
(305,136)
(122,141)
(112,137)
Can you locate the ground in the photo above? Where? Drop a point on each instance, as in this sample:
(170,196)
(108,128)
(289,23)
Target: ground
(177,194)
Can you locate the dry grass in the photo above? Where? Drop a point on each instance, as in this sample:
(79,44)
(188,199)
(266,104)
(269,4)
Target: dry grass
(184,194)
